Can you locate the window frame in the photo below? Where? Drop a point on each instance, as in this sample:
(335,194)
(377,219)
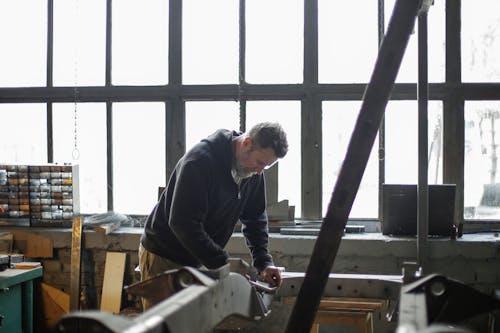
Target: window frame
(453,93)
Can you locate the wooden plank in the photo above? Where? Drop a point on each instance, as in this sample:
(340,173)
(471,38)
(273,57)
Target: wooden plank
(107,228)
(55,305)
(58,296)
(345,303)
(112,287)
(76,260)
(26,265)
(32,245)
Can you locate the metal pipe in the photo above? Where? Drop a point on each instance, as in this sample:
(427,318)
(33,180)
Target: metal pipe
(381,130)
(372,110)
(423,160)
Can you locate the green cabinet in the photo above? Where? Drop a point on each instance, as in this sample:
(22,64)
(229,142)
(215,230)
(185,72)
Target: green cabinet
(16,299)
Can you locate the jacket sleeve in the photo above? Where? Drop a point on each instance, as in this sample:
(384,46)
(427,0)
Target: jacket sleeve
(255,228)
(188,212)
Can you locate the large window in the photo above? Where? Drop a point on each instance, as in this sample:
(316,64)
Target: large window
(79,134)
(23,134)
(140,42)
(274,36)
(138,155)
(436,45)
(340,38)
(401,151)
(480,41)
(79,42)
(287,113)
(131,87)
(204,118)
(338,123)
(24,43)
(210,42)
(482,169)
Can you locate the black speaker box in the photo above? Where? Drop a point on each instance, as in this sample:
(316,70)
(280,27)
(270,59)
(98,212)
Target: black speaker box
(400,209)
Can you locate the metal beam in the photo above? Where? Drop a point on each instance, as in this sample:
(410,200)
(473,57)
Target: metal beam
(372,110)
(229,301)
(423,159)
(387,287)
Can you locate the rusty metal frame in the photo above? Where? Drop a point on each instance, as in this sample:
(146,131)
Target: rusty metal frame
(372,110)
(189,300)
(195,302)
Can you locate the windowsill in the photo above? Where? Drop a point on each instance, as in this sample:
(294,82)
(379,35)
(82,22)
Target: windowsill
(493,235)
(362,245)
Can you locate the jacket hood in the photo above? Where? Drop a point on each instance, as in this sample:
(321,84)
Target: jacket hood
(221,143)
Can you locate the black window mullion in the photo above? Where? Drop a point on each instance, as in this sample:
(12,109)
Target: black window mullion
(311,119)
(453,109)
(50,70)
(109,106)
(175,118)
(109,152)
(242,66)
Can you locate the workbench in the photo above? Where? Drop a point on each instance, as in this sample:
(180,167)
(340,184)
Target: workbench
(16,299)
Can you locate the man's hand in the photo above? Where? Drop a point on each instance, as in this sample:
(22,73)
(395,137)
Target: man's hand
(271,275)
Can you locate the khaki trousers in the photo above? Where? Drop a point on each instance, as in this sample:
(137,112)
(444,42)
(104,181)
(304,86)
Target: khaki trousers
(151,265)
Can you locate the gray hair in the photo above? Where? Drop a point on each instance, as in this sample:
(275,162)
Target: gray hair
(269,135)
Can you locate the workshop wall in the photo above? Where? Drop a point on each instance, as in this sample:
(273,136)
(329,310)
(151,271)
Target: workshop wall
(473,259)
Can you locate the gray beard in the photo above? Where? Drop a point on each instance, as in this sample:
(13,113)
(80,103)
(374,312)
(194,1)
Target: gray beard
(243,173)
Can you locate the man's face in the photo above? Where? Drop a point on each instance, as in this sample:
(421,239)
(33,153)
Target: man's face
(253,160)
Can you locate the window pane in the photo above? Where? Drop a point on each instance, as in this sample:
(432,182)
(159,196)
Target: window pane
(91,146)
(408,72)
(401,145)
(23,139)
(138,156)
(24,43)
(436,43)
(341,37)
(287,113)
(274,41)
(204,118)
(140,42)
(79,42)
(210,42)
(339,119)
(481,170)
(480,41)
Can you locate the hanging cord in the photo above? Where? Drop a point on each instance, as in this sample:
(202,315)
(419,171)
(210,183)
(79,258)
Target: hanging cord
(76,151)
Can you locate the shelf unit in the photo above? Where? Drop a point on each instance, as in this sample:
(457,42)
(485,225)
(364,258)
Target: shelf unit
(39,195)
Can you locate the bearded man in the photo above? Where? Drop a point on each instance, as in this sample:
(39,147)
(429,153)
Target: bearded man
(216,183)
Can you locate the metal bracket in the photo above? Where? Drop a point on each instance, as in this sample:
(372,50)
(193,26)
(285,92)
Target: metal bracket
(435,299)
(229,301)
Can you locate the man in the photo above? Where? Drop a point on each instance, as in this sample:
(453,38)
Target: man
(215,184)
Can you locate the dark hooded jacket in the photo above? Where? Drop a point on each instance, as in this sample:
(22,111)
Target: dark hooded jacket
(196,214)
